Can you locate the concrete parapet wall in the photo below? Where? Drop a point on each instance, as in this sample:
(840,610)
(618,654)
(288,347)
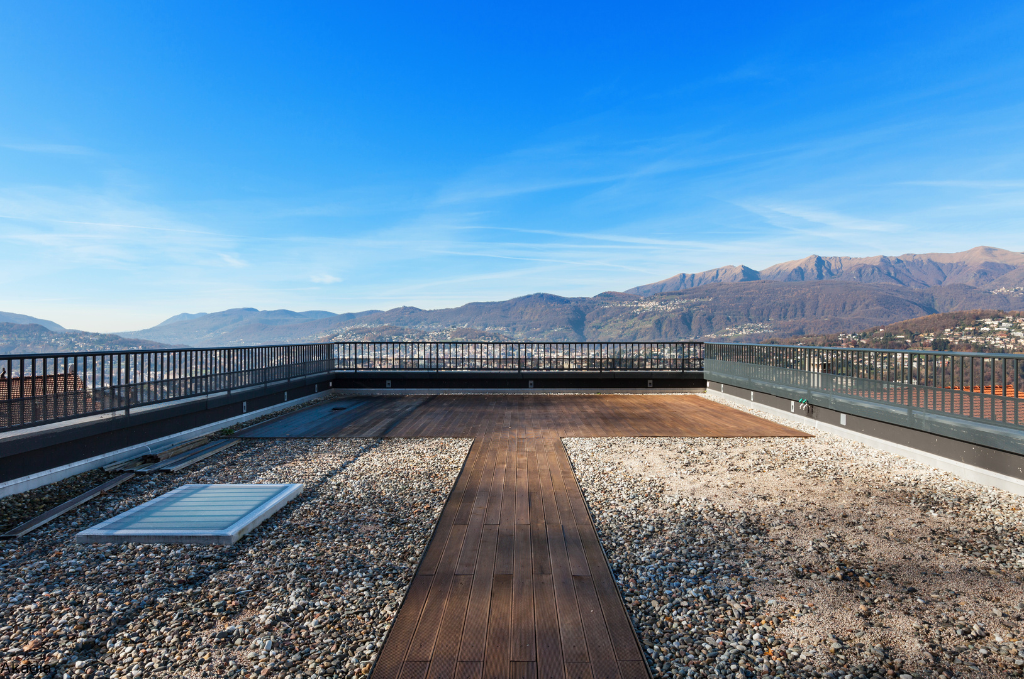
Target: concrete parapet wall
(30,458)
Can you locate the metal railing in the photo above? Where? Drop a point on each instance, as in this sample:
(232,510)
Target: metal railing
(980,387)
(40,388)
(521,356)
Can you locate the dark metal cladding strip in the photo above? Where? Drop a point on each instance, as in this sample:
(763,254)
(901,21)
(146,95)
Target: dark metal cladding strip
(46,517)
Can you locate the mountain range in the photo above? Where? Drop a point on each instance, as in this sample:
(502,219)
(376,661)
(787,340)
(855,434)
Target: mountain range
(815,295)
(982,267)
(812,296)
(35,338)
(21,319)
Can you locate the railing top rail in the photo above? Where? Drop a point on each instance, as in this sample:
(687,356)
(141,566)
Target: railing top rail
(972,354)
(125,352)
(115,352)
(521,343)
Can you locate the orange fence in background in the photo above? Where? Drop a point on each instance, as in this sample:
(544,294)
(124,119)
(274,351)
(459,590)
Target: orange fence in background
(1009,391)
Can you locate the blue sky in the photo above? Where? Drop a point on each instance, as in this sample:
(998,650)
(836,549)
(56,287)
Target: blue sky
(158,158)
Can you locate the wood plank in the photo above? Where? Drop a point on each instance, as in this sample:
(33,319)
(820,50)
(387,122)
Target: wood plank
(547,489)
(549,647)
(599,646)
(633,669)
(471,545)
(522,515)
(506,549)
(496,491)
(482,462)
(535,449)
(371,422)
(570,626)
(573,543)
(616,617)
(430,421)
(524,630)
(469,670)
(452,423)
(392,656)
(445,657)
(508,492)
(539,548)
(432,555)
(619,627)
(499,622)
(321,420)
(523,670)
(474,631)
(414,670)
(424,422)
(578,670)
(422,645)
(405,410)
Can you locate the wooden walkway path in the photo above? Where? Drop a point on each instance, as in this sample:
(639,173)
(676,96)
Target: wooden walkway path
(514,583)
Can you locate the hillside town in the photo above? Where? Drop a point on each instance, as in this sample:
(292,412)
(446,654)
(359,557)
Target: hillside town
(1000,334)
(31,338)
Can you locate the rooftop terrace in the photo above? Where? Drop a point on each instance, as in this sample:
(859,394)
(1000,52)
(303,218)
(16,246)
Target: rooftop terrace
(540,534)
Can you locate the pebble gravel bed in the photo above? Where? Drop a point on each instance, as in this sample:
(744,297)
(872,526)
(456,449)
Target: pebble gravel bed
(311,592)
(806,557)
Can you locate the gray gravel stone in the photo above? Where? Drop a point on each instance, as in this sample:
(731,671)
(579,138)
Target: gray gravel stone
(806,557)
(313,591)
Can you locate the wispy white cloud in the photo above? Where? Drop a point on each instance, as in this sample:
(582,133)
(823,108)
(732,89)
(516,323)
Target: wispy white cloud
(325,279)
(511,277)
(100,229)
(587,263)
(834,220)
(971,184)
(608,237)
(570,164)
(477,191)
(62,149)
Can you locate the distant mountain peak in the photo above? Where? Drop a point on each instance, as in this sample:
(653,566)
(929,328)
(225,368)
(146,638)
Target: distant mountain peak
(684,281)
(21,319)
(181,317)
(983,267)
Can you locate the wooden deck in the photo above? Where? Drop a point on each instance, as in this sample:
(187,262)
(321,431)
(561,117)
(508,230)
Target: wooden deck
(514,583)
(469,416)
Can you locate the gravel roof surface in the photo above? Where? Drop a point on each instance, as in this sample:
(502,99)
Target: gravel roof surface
(312,590)
(806,557)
